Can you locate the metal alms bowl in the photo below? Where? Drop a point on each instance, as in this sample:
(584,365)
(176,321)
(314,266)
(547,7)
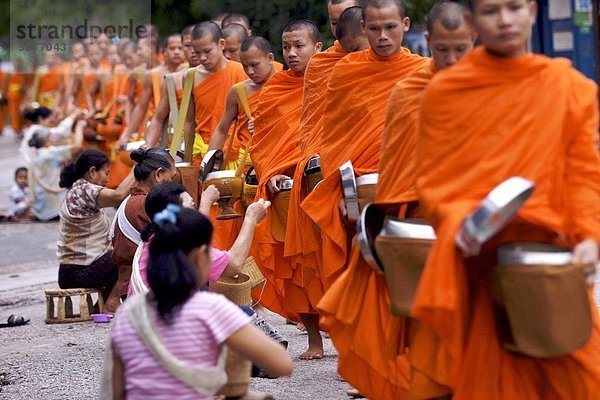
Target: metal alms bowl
(211,162)
(313,165)
(498,208)
(349,187)
(368,227)
(285,185)
(408,228)
(533,254)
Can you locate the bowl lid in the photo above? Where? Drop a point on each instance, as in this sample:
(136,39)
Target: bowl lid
(498,208)
(228,173)
(533,254)
(368,179)
(211,162)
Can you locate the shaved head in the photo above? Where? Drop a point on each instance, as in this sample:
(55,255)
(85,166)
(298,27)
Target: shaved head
(450,15)
(207,28)
(260,43)
(335,8)
(235,30)
(234,18)
(349,32)
(379,4)
(218,19)
(305,25)
(187,31)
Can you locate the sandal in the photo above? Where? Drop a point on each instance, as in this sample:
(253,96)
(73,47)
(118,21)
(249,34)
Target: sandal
(15,320)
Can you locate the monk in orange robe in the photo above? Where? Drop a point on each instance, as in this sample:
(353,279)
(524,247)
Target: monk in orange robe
(161,115)
(463,155)
(3,99)
(212,82)
(302,243)
(275,152)
(211,85)
(359,299)
(19,84)
(47,82)
(151,94)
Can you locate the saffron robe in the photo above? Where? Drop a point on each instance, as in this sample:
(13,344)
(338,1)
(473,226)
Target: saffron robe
(354,117)
(303,240)
(374,360)
(210,98)
(483,121)
(275,150)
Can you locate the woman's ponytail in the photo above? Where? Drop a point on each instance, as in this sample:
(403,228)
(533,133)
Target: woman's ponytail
(171,276)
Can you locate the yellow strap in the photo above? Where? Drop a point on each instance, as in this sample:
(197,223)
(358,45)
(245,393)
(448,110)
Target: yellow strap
(103,88)
(155,88)
(36,85)
(240,89)
(183,108)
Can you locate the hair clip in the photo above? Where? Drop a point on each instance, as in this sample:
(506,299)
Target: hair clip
(169,214)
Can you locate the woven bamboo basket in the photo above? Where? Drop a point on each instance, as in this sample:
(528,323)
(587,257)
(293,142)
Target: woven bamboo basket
(236,289)
(313,180)
(238,368)
(251,269)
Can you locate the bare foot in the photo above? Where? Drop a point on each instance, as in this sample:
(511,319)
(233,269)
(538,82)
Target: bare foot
(300,326)
(354,393)
(313,353)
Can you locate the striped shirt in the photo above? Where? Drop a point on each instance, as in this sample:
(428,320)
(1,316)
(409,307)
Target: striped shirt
(199,328)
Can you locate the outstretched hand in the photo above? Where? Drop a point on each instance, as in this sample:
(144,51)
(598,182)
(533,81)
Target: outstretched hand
(257,211)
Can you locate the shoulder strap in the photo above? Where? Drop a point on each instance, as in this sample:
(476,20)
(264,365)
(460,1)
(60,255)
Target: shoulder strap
(36,85)
(155,88)
(204,380)
(185,104)
(172,95)
(240,89)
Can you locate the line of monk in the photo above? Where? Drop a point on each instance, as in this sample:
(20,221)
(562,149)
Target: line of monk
(437,134)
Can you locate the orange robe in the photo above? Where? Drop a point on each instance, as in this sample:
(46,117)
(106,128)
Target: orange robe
(374,360)
(242,135)
(354,117)
(210,98)
(483,121)
(17,85)
(49,87)
(276,150)
(302,238)
(3,107)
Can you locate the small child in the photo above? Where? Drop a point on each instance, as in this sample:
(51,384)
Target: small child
(19,196)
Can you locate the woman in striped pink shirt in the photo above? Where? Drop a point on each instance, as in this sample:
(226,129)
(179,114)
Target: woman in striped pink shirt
(167,344)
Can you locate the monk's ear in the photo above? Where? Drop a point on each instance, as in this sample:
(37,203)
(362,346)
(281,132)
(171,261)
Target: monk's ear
(406,24)
(533,10)
(428,38)
(362,26)
(271,57)
(221,43)
(318,46)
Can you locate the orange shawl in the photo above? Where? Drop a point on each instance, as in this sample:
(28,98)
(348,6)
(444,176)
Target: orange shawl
(210,97)
(483,121)
(275,150)
(242,135)
(354,117)
(50,81)
(302,239)
(374,360)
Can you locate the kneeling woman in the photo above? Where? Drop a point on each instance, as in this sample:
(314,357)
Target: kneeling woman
(84,251)
(169,343)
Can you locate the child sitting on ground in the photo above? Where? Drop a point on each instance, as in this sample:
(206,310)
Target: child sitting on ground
(19,197)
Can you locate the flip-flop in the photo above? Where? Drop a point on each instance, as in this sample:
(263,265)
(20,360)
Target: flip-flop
(15,320)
